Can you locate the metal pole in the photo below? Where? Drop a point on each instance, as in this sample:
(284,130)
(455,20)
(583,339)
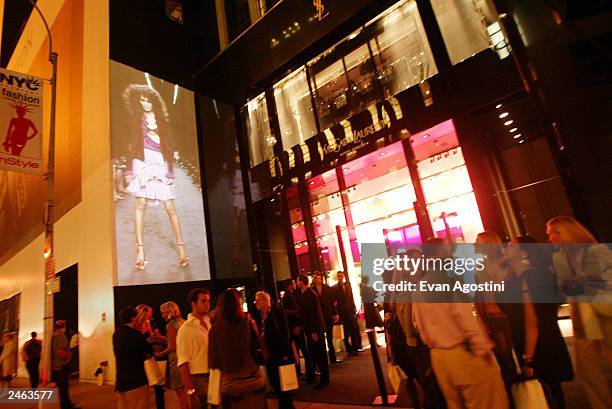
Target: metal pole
(49,271)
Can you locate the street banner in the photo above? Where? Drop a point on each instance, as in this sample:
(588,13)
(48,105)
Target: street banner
(21,122)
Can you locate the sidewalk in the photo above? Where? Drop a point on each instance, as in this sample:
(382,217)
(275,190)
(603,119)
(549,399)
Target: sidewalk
(91,396)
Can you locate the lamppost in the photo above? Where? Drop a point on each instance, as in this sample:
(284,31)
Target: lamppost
(48,217)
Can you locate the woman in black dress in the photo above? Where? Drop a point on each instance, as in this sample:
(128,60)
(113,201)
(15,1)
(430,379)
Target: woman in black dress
(537,339)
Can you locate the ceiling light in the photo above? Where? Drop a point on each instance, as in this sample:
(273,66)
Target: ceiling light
(503,115)
(498,106)
(521,141)
(312,182)
(518,135)
(425,136)
(382,153)
(508,122)
(513,130)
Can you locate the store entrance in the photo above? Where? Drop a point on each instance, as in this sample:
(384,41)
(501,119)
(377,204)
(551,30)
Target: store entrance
(372,199)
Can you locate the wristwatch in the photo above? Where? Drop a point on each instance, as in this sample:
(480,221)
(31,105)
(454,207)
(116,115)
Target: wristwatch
(191,391)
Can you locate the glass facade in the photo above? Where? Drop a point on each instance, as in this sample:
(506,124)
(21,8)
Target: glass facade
(400,47)
(371,200)
(464,25)
(294,108)
(259,133)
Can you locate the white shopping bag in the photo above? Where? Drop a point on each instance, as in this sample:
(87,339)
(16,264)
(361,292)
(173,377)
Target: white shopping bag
(156,371)
(214,387)
(529,395)
(288,377)
(396,376)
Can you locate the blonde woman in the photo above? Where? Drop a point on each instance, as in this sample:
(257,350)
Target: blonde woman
(583,269)
(172,315)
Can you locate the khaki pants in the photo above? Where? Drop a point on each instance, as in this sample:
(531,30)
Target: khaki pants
(134,399)
(590,356)
(468,381)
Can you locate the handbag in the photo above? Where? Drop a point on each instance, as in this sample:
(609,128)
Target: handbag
(396,376)
(529,395)
(213,395)
(288,377)
(155,371)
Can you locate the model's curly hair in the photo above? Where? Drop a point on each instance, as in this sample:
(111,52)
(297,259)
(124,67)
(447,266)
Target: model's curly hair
(131,97)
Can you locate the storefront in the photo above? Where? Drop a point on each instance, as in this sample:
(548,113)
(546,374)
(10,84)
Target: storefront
(384,130)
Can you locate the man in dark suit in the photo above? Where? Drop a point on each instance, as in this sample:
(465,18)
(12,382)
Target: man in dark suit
(345,303)
(291,305)
(275,330)
(314,328)
(328,308)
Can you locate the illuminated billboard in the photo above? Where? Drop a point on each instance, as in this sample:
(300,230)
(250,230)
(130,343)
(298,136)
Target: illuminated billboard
(160,233)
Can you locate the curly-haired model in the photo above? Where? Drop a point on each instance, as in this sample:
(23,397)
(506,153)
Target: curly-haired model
(150,163)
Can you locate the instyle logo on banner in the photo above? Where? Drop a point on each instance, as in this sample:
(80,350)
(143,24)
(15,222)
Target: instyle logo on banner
(20,122)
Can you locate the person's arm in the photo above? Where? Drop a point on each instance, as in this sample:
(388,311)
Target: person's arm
(31,124)
(531,328)
(24,354)
(463,315)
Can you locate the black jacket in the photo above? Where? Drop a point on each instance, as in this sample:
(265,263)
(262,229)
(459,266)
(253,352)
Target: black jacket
(291,304)
(327,301)
(131,349)
(277,338)
(312,317)
(344,300)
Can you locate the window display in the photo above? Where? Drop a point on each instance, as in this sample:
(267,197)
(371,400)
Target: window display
(294,107)
(401,50)
(261,141)
(464,26)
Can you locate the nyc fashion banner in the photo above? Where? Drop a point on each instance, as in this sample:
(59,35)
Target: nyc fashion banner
(21,122)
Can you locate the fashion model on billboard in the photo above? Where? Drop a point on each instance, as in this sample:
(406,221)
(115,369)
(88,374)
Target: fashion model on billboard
(149,174)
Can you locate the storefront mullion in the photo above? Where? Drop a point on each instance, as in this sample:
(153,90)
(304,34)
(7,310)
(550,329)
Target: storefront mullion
(420,205)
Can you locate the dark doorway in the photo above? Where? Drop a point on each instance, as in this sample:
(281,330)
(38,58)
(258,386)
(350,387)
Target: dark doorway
(65,307)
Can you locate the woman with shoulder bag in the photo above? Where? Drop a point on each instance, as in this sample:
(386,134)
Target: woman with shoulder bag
(584,270)
(231,351)
(532,308)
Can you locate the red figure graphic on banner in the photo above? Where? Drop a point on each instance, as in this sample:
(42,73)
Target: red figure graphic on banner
(17,134)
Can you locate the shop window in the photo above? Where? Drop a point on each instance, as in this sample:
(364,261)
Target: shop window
(447,187)
(294,107)
(400,47)
(465,26)
(331,93)
(360,72)
(257,122)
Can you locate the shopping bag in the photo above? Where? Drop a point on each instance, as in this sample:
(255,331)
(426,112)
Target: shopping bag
(529,395)
(396,376)
(338,331)
(155,371)
(288,377)
(214,387)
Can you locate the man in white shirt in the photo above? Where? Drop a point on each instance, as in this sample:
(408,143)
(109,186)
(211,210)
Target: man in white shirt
(192,348)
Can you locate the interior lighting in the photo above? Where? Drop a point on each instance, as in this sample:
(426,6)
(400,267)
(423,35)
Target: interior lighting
(513,130)
(510,122)
(518,135)
(503,115)
(498,106)
(382,153)
(425,136)
(521,141)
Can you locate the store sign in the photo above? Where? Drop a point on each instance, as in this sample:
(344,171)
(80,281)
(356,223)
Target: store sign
(21,118)
(320,9)
(343,140)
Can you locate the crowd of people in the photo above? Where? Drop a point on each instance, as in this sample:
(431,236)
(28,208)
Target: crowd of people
(459,354)
(236,343)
